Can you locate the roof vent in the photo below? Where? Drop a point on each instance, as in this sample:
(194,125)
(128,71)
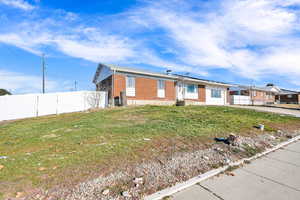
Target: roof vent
(168,71)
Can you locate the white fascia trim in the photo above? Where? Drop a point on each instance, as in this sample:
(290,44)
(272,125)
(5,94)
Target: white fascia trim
(174,77)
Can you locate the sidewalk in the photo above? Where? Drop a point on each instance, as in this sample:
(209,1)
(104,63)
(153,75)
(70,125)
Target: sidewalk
(283,111)
(272,177)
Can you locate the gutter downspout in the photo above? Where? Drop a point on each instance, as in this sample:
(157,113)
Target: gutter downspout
(113,88)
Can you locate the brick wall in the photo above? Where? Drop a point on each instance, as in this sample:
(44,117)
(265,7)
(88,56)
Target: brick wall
(145,88)
(262,96)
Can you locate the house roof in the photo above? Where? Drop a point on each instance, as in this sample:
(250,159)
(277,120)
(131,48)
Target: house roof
(158,74)
(287,92)
(273,89)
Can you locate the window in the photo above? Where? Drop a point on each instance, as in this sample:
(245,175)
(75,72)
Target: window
(254,93)
(191,91)
(130,82)
(215,93)
(289,96)
(161,88)
(130,86)
(191,88)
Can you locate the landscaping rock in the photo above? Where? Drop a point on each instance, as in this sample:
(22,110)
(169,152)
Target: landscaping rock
(227,161)
(218,149)
(126,194)
(232,139)
(1,167)
(105,192)
(138,180)
(261,127)
(3,157)
(19,195)
(205,157)
(272,137)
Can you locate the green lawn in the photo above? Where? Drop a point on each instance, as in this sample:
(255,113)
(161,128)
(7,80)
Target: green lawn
(69,148)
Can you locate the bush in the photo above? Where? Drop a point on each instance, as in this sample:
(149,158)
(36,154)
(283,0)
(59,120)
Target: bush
(4,92)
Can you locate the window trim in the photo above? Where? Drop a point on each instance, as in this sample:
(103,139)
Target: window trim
(191,95)
(219,92)
(132,88)
(161,91)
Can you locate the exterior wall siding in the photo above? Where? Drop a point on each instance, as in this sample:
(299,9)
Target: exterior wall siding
(145,89)
(294,99)
(262,98)
(216,101)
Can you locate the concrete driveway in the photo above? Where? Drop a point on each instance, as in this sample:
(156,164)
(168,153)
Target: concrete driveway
(273,110)
(273,177)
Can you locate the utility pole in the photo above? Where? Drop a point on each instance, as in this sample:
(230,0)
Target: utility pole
(75,86)
(43,70)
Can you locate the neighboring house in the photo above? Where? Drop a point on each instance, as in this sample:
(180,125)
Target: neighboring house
(254,95)
(128,86)
(288,97)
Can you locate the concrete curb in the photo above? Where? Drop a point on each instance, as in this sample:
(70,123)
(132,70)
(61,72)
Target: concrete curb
(181,186)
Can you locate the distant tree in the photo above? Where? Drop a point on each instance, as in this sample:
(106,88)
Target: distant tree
(4,92)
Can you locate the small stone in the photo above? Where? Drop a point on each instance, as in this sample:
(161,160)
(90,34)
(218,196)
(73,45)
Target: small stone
(105,192)
(138,180)
(205,157)
(272,137)
(137,185)
(227,161)
(231,138)
(1,167)
(42,169)
(147,139)
(19,194)
(289,136)
(261,127)
(219,149)
(126,194)
(230,174)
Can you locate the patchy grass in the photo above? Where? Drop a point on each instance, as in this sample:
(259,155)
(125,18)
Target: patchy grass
(69,148)
(251,151)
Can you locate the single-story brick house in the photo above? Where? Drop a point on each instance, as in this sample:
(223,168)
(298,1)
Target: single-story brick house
(129,86)
(257,95)
(288,97)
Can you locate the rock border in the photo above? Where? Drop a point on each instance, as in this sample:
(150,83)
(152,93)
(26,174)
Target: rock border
(181,186)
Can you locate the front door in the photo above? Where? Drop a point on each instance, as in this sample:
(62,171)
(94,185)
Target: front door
(180,91)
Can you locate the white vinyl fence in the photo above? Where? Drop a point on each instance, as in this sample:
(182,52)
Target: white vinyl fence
(240,100)
(34,105)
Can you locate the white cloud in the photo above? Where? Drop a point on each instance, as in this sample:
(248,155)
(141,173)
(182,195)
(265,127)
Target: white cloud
(18,82)
(21,4)
(251,38)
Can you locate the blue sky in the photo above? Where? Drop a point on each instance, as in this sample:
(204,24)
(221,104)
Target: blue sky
(236,41)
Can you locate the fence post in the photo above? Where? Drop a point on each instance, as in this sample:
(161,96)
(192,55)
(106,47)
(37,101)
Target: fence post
(37,105)
(57,104)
